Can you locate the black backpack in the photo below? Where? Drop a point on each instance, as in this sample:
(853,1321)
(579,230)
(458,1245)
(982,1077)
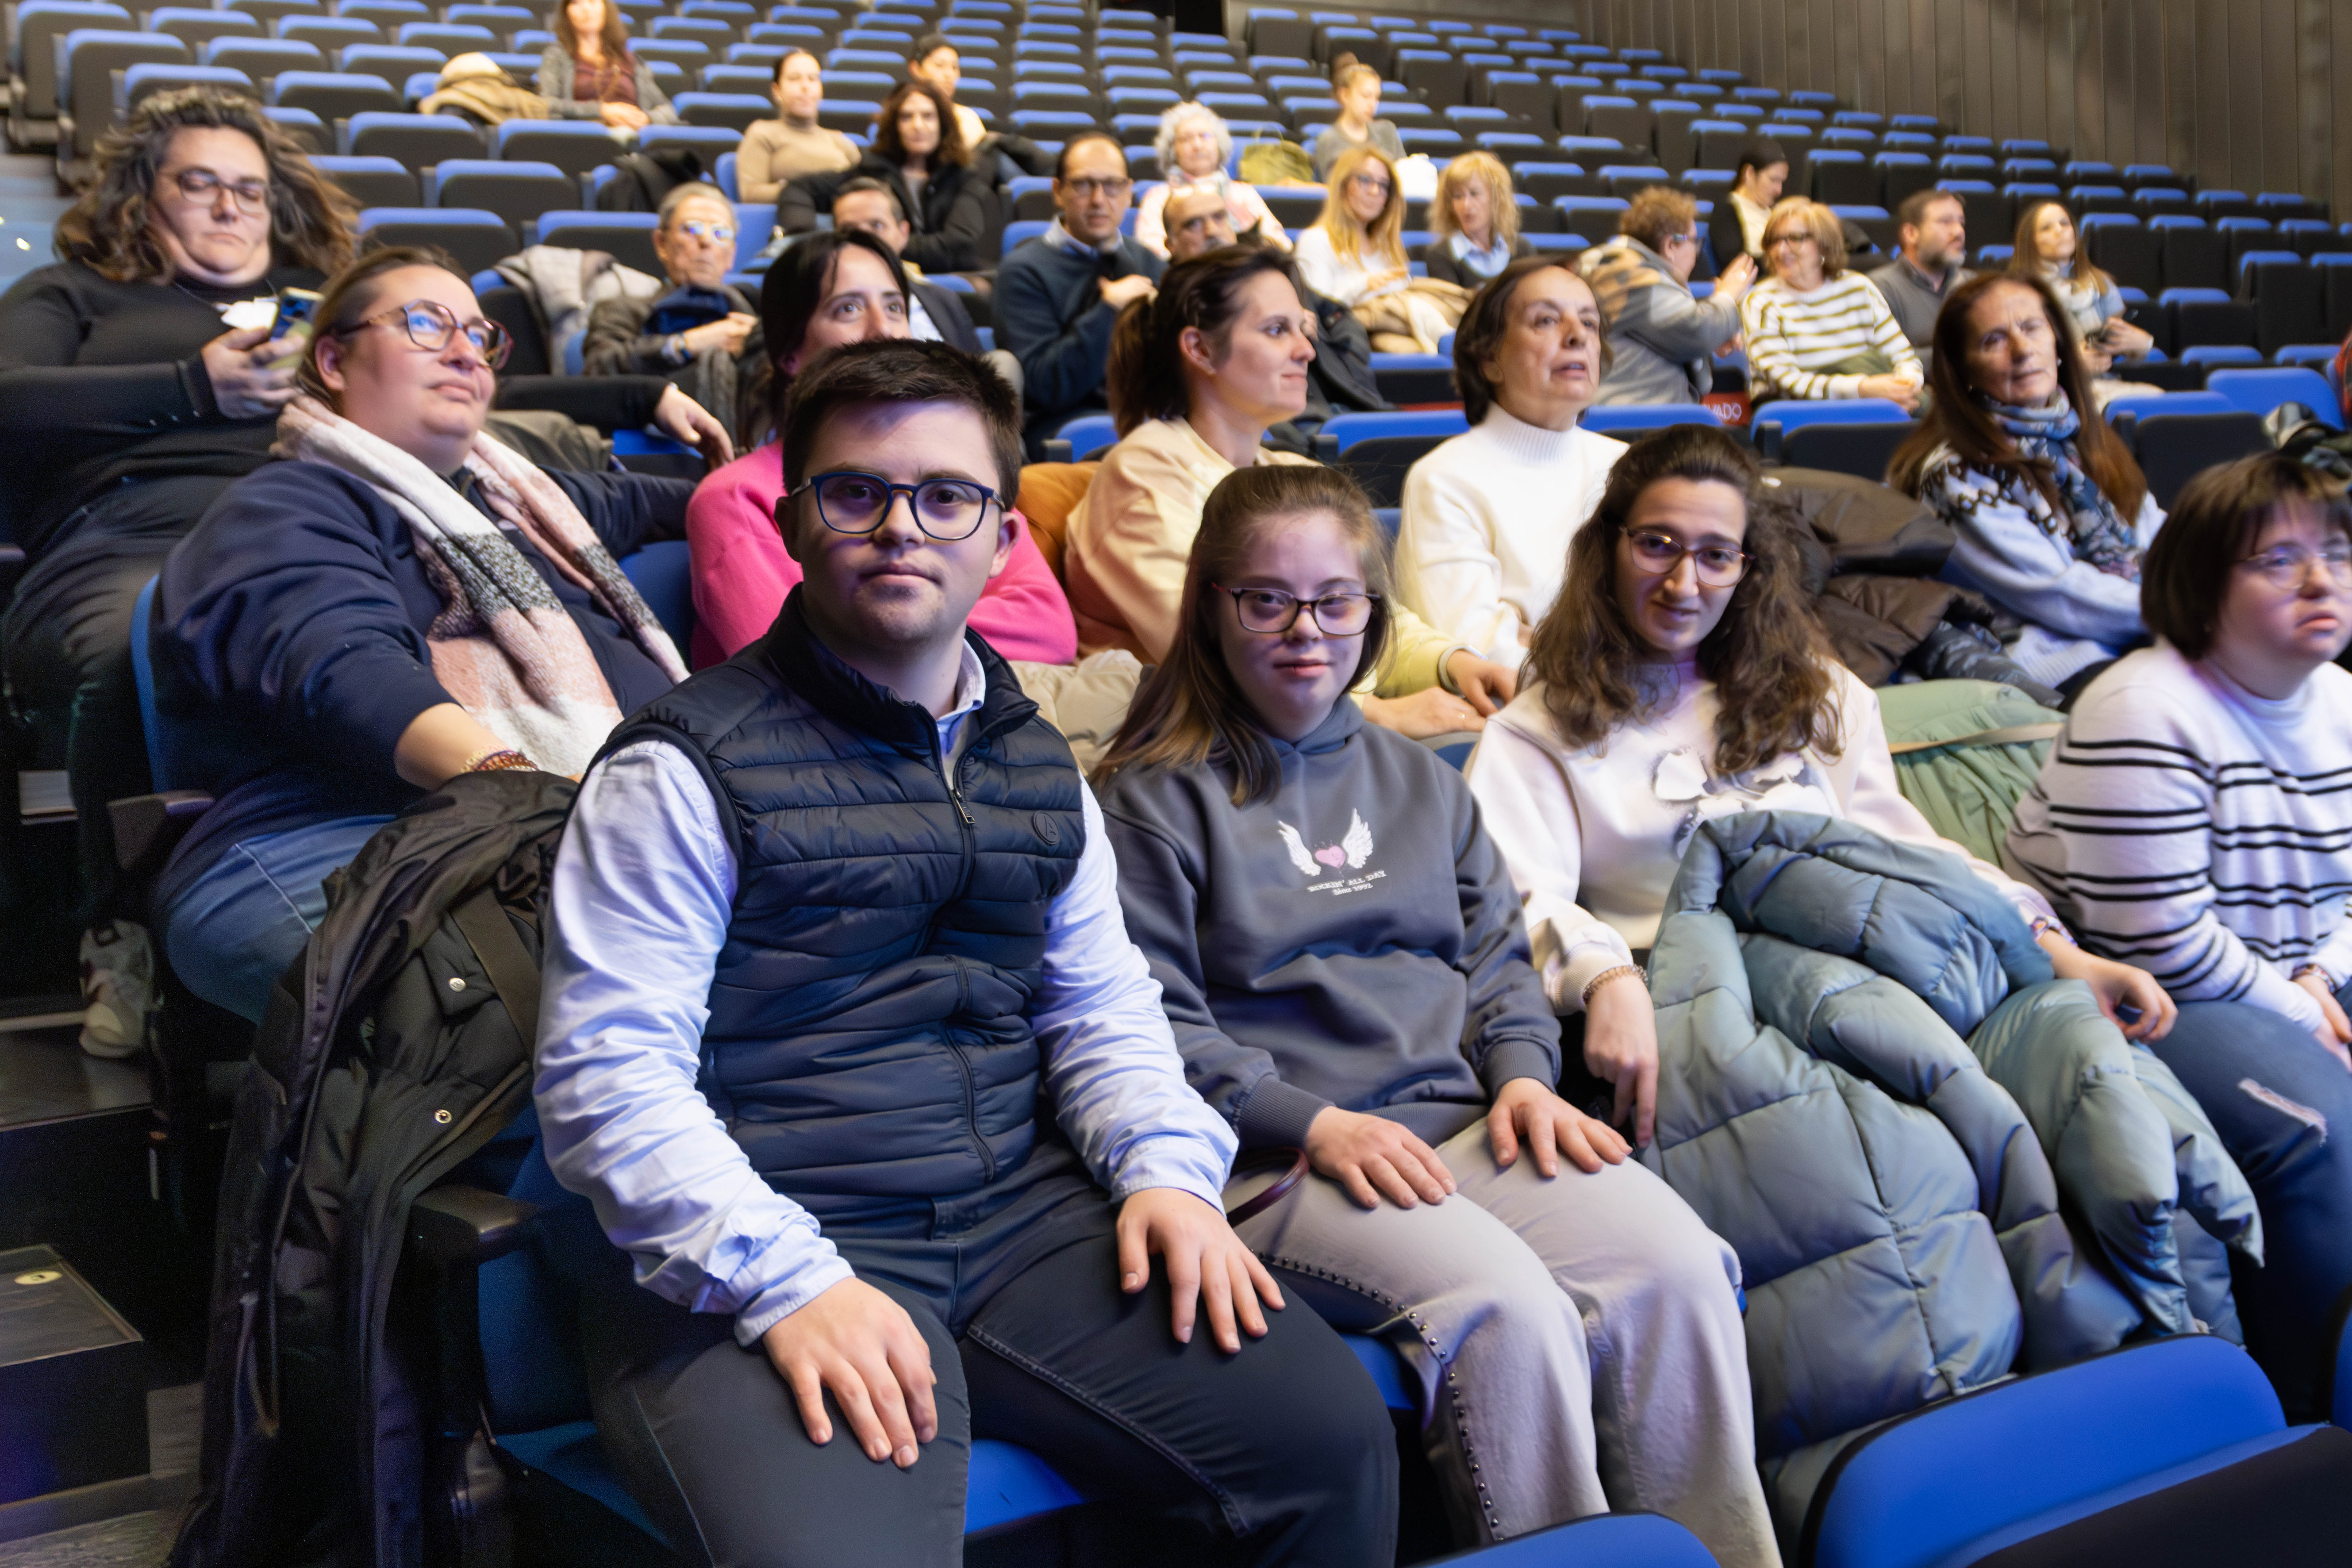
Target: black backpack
(640,180)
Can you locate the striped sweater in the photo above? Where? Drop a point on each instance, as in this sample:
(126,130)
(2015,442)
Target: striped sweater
(1795,339)
(2186,826)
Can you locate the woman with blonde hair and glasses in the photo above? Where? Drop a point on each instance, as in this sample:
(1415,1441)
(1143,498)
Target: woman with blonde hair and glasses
(1341,955)
(1816,329)
(1194,146)
(1355,255)
(138,379)
(1475,222)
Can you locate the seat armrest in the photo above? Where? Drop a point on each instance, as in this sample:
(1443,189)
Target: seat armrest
(1057,451)
(147,826)
(460,1226)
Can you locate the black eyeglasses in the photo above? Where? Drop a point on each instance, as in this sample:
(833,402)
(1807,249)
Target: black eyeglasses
(1657,555)
(946,509)
(1274,612)
(202,187)
(431,326)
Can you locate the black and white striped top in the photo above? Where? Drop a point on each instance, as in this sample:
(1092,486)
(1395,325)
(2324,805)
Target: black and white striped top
(2186,826)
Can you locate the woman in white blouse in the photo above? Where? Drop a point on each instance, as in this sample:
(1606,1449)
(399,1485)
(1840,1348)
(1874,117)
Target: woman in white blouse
(1355,254)
(1679,678)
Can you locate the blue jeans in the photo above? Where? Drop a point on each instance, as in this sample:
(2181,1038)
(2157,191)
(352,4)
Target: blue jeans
(2283,1105)
(232,932)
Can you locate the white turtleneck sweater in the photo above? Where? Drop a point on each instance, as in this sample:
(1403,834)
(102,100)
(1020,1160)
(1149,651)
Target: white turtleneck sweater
(1488,518)
(1593,835)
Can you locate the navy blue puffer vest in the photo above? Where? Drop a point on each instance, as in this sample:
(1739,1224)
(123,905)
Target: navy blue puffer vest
(868,1035)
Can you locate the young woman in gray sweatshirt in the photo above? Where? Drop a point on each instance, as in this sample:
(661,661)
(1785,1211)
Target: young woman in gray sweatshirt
(1342,957)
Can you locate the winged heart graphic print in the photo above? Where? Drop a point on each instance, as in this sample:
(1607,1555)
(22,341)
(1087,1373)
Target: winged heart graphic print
(1351,852)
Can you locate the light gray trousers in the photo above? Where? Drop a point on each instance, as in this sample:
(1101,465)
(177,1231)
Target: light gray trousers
(1577,1337)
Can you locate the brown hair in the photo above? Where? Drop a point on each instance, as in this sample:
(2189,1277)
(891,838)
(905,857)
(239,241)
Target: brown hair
(1348,236)
(887,144)
(777,76)
(1349,75)
(2025,258)
(1768,657)
(791,294)
(900,370)
(1190,710)
(1957,416)
(350,297)
(1146,375)
(2215,520)
(1486,321)
(612,38)
(1488,171)
(1656,214)
(1819,222)
(1913,211)
(310,217)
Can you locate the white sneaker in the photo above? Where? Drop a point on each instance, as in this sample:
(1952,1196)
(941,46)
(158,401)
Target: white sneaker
(118,989)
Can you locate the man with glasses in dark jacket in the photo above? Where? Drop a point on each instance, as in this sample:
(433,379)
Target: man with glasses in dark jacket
(845,1039)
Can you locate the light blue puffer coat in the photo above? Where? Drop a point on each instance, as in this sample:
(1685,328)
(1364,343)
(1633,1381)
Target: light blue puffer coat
(1894,1193)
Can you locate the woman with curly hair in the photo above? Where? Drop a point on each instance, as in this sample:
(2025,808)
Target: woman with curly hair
(921,154)
(1194,146)
(1680,677)
(136,384)
(1474,222)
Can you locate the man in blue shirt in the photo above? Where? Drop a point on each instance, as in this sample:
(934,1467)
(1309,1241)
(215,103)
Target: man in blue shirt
(846,1041)
(1058,295)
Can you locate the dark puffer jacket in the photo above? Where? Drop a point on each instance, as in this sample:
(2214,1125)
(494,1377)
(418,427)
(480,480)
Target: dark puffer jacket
(889,923)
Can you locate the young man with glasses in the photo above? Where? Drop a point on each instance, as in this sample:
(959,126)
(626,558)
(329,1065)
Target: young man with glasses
(1662,338)
(1058,295)
(703,335)
(845,1040)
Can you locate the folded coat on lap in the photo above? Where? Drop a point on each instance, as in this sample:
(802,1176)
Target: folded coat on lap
(1895,1212)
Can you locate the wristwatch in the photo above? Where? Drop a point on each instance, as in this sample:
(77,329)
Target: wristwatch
(674,349)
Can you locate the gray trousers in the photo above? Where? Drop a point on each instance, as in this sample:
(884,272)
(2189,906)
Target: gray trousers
(1577,1337)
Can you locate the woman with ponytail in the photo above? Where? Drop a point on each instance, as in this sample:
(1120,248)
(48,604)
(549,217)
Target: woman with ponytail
(1198,372)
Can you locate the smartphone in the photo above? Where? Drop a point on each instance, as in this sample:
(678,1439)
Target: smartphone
(297,312)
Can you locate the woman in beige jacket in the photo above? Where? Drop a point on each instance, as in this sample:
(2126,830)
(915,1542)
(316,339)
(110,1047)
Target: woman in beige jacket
(1197,375)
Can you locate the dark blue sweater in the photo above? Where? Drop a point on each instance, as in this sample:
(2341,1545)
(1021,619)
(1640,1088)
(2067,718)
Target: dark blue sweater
(290,650)
(1051,317)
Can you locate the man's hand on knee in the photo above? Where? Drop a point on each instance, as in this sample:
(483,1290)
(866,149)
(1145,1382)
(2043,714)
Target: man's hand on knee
(858,1344)
(1207,1264)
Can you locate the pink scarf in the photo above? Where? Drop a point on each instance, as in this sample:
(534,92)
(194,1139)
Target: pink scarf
(503,647)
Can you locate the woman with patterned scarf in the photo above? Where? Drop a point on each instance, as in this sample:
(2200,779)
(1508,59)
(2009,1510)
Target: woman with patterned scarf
(397,600)
(2049,513)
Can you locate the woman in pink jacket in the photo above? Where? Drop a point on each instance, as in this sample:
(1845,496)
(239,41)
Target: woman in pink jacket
(832,289)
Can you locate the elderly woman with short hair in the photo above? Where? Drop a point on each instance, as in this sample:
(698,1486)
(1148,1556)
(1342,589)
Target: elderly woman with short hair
(1195,147)
(1817,330)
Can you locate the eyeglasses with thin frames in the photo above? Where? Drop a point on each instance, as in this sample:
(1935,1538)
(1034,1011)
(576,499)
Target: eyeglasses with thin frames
(1658,555)
(431,326)
(1087,190)
(1273,612)
(202,187)
(724,233)
(2290,564)
(946,509)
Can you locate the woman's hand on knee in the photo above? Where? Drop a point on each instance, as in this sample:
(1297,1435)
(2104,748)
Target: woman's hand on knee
(1208,1266)
(858,1344)
(1372,1158)
(1526,1112)
(1620,1046)
(2115,987)
(2335,1030)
